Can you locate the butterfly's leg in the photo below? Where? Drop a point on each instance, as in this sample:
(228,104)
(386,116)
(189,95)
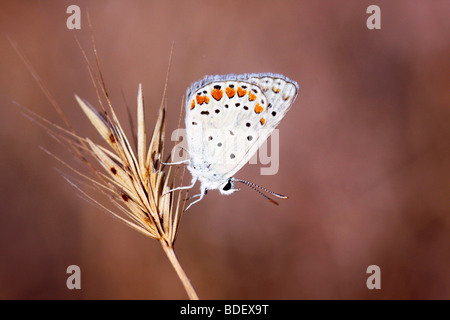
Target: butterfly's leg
(201,195)
(194,180)
(175,163)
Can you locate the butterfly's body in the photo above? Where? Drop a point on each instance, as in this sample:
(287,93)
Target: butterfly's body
(227,119)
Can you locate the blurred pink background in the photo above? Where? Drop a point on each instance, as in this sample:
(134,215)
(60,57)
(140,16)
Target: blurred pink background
(364,151)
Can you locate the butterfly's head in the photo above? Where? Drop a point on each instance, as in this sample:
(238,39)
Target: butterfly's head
(227,187)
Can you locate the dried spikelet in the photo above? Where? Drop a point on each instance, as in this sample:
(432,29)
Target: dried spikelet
(136,184)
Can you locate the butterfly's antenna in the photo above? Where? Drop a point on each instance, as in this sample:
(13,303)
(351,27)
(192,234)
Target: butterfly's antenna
(265,196)
(255,186)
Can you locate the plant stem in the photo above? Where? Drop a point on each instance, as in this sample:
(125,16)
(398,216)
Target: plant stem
(168,249)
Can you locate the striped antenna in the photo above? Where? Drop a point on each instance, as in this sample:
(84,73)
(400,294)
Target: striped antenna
(255,186)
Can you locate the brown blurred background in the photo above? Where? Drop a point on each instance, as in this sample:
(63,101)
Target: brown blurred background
(364,152)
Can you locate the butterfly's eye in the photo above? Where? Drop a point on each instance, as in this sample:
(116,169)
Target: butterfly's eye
(227,186)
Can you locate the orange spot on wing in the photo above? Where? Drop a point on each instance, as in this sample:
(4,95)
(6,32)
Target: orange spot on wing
(241,92)
(230,92)
(217,94)
(251,96)
(276,90)
(193,104)
(262,121)
(258,108)
(200,99)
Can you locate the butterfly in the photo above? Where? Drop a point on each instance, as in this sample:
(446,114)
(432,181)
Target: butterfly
(228,117)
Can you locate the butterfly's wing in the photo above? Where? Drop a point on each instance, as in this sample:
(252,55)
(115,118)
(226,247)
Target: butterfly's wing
(229,117)
(280,93)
